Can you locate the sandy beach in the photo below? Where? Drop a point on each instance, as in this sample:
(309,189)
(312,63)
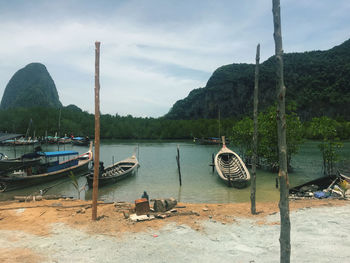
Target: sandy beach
(62,231)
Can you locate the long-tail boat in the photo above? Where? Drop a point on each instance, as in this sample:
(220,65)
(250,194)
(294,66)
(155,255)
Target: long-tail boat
(114,172)
(47,170)
(231,168)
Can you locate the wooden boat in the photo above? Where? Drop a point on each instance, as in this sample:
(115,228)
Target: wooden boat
(10,164)
(114,172)
(47,170)
(209,141)
(64,140)
(231,168)
(80,141)
(316,184)
(21,141)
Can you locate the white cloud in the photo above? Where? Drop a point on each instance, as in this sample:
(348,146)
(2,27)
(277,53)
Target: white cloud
(152,52)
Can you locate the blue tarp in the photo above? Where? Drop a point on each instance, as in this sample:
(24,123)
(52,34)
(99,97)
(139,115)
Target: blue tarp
(78,138)
(57,154)
(321,194)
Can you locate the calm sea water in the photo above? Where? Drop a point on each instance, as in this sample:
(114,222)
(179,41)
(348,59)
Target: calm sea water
(158,173)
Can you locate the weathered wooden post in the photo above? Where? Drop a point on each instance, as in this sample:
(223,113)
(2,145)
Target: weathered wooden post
(281,130)
(255,134)
(213,162)
(97,131)
(178,164)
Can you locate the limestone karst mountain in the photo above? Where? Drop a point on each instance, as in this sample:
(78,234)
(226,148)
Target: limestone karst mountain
(31,86)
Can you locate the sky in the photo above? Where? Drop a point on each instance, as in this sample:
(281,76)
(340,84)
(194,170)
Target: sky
(154,52)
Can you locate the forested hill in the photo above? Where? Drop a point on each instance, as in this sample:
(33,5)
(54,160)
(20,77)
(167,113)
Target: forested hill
(31,86)
(318,81)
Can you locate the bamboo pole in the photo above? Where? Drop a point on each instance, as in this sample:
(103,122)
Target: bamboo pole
(285,248)
(255,135)
(97,131)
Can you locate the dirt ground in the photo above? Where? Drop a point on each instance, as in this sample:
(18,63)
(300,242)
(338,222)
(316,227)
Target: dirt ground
(37,217)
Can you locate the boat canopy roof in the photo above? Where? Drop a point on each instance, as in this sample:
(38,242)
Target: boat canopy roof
(57,154)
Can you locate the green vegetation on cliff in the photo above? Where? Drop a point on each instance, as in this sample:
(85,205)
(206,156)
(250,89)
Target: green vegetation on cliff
(78,122)
(31,86)
(317,81)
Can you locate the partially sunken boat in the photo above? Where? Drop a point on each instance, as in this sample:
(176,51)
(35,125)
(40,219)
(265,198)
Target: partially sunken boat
(47,170)
(114,172)
(231,168)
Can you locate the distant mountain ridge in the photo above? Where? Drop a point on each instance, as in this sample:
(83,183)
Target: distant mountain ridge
(31,86)
(318,81)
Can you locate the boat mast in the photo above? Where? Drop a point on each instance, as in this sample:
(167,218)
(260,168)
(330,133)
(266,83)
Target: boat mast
(219,124)
(59,131)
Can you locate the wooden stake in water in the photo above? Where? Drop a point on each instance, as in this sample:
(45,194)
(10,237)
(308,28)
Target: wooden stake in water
(255,134)
(213,162)
(97,131)
(178,164)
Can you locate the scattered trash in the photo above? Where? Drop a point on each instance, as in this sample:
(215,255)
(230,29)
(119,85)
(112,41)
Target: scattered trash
(155,235)
(337,193)
(321,194)
(20,210)
(137,218)
(344,184)
(313,189)
(347,194)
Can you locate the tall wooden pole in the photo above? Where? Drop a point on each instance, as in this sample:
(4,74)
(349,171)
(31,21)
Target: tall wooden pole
(255,134)
(97,131)
(282,143)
